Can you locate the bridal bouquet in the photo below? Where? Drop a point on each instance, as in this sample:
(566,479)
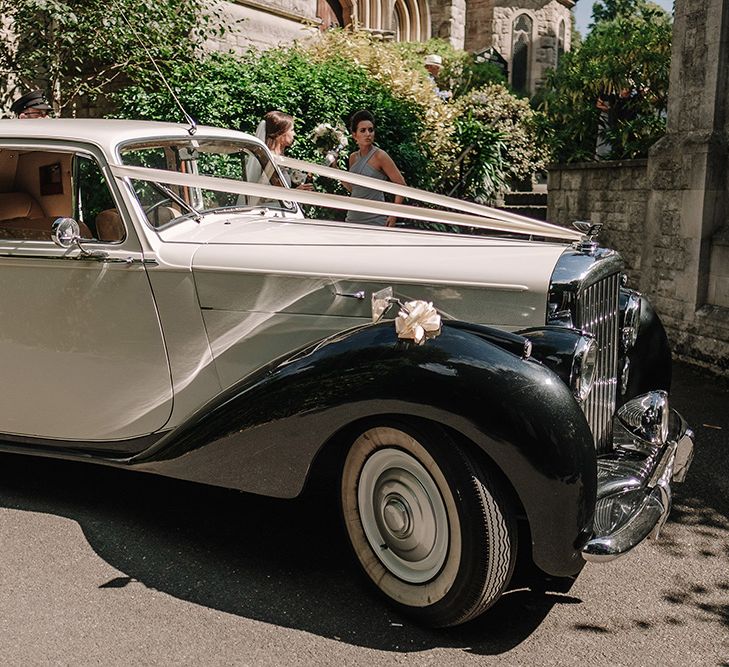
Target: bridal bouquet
(329,140)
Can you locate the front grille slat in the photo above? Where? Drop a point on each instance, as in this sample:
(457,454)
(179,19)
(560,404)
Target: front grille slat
(597,313)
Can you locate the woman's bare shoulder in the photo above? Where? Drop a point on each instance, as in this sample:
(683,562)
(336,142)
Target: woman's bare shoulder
(381,156)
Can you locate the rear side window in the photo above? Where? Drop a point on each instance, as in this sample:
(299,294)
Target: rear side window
(37,187)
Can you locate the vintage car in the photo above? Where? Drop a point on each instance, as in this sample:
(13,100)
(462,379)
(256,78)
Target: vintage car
(461,389)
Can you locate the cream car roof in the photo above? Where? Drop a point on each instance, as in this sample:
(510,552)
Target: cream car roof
(108,134)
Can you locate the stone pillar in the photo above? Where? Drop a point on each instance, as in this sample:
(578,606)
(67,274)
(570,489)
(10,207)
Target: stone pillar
(479,25)
(687,171)
(448,21)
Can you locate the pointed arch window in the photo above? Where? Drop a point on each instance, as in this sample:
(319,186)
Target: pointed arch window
(399,21)
(521,52)
(561,35)
(410,20)
(331,14)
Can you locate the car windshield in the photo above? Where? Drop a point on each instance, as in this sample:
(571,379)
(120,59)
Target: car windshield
(164,204)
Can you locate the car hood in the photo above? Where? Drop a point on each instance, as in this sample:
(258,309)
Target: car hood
(306,265)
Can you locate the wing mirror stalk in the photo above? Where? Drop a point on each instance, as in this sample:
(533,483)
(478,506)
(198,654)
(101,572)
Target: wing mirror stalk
(66,233)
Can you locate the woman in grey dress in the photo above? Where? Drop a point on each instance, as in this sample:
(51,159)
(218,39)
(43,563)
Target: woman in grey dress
(371,161)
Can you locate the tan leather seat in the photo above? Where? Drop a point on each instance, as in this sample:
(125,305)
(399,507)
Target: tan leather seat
(166,213)
(21,217)
(109,226)
(16,205)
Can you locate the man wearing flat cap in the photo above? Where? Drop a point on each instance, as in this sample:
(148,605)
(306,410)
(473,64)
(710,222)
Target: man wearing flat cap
(31,105)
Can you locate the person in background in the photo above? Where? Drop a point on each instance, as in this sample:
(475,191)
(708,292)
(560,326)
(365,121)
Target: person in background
(434,64)
(617,112)
(369,160)
(31,105)
(277,131)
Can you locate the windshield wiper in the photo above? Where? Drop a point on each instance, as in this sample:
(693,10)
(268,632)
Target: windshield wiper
(195,214)
(238,209)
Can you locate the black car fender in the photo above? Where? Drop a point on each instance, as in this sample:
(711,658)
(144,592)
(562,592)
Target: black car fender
(649,360)
(263,434)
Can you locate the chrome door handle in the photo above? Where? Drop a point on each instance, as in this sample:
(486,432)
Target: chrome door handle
(360,295)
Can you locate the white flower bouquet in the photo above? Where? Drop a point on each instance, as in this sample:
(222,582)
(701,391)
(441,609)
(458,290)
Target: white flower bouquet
(329,140)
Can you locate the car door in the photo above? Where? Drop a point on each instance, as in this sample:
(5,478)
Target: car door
(81,346)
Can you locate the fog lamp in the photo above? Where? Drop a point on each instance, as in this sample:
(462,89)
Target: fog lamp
(613,511)
(647,417)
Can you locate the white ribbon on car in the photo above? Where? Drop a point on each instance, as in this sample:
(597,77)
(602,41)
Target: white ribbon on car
(489,219)
(431,198)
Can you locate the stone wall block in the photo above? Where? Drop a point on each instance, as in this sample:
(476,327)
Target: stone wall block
(572,180)
(554,179)
(636,212)
(670,309)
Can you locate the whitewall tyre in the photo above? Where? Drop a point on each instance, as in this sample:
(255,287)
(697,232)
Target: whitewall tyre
(428,524)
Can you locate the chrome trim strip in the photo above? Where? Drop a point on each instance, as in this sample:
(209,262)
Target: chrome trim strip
(81,257)
(597,313)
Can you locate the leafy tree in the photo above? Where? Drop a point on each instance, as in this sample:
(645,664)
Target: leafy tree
(609,10)
(629,54)
(77,48)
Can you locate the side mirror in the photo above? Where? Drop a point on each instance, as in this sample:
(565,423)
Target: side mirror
(65,232)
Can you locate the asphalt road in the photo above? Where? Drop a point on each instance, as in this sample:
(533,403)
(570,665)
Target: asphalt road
(105,567)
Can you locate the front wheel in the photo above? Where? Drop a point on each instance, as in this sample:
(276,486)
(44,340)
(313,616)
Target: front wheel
(427,523)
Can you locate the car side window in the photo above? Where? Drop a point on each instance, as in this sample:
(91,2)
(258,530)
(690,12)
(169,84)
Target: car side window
(38,187)
(94,204)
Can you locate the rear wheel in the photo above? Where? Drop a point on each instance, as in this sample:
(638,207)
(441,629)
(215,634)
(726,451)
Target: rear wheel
(427,523)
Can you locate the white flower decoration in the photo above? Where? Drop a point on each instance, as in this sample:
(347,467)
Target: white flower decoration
(417,321)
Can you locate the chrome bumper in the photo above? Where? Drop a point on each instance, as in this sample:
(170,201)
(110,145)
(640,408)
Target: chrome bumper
(652,447)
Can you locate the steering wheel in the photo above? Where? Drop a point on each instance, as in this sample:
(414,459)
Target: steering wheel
(152,212)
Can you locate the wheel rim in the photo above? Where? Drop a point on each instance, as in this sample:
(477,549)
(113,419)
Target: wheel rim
(403,515)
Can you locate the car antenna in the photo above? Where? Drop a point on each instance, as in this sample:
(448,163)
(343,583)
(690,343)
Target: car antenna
(193,125)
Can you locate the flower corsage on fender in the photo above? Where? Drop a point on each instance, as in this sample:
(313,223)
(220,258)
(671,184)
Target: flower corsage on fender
(416,320)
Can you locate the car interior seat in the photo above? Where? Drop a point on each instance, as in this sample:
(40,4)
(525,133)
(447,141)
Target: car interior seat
(22,217)
(109,226)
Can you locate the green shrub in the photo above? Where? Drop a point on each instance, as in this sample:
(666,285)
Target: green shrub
(331,78)
(495,109)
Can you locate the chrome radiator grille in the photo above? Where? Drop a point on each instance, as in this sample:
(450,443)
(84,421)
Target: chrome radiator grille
(597,312)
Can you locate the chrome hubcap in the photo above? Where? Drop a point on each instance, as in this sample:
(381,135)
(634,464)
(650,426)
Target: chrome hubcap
(397,516)
(403,515)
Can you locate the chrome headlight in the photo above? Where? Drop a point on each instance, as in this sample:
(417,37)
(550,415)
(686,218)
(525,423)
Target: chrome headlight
(584,363)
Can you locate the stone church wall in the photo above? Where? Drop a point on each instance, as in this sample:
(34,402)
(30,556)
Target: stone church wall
(264,25)
(543,49)
(448,20)
(650,228)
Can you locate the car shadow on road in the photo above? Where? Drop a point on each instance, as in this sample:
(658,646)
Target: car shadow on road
(282,562)
(701,503)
